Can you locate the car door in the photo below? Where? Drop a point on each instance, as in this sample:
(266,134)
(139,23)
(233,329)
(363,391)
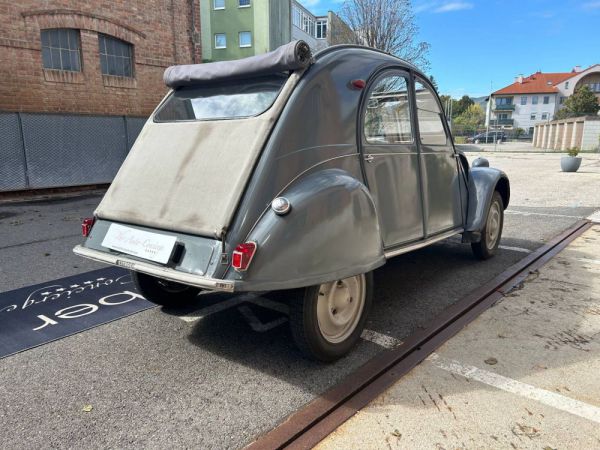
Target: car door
(439,164)
(391,161)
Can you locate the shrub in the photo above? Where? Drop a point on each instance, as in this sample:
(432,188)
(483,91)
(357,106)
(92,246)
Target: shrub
(572,151)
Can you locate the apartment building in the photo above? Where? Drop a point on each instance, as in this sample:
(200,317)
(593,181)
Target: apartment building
(536,98)
(233,29)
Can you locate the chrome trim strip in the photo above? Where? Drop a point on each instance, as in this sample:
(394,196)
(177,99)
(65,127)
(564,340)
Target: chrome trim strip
(158,271)
(417,245)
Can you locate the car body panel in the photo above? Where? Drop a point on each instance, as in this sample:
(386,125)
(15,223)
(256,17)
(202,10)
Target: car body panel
(483,181)
(330,233)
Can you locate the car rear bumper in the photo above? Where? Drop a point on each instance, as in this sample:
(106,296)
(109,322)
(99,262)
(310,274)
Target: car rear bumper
(166,273)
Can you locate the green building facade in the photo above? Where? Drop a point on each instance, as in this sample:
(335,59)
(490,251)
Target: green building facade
(233,29)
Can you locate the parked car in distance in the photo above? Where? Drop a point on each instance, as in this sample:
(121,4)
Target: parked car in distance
(288,171)
(487,137)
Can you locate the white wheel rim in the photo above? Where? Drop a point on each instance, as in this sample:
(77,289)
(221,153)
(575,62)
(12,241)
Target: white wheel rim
(339,307)
(493,225)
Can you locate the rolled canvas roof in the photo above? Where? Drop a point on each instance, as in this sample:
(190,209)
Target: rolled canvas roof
(293,56)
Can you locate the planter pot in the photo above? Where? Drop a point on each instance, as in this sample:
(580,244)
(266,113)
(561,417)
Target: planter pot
(570,163)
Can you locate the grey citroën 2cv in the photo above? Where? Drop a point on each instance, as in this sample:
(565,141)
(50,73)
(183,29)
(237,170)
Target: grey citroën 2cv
(286,171)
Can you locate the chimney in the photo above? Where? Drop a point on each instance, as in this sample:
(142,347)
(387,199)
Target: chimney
(519,79)
(577,69)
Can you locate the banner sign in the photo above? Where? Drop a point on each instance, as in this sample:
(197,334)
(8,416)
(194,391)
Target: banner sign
(35,315)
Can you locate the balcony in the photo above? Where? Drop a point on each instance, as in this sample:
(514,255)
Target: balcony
(502,122)
(505,107)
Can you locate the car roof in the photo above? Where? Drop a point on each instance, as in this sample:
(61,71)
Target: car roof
(352,50)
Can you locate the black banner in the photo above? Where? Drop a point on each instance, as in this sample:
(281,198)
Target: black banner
(35,315)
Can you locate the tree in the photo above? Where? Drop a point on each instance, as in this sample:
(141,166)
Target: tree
(582,102)
(387,25)
(471,119)
(461,105)
(434,82)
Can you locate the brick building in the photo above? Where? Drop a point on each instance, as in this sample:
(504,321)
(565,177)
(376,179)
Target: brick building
(79,77)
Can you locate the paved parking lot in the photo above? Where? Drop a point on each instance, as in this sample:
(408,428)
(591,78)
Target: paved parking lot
(219,374)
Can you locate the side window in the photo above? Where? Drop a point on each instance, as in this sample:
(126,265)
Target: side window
(431,125)
(387,115)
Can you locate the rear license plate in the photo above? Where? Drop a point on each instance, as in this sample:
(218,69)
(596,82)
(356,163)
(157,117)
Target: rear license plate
(143,244)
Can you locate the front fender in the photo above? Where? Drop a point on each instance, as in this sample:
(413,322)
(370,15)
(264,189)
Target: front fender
(330,233)
(483,181)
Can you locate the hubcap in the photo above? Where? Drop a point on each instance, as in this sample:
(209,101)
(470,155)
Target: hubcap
(493,225)
(339,307)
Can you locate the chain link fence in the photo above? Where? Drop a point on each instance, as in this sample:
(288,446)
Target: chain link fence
(59,150)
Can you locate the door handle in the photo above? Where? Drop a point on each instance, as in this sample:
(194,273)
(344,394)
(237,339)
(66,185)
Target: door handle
(369,158)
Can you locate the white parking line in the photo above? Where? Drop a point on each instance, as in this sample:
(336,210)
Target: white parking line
(548,398)
(255,322)
(595,217)
(524,213)
(515,249)
(213,309)
(382,340)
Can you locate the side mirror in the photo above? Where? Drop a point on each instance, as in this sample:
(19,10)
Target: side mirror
(480,162)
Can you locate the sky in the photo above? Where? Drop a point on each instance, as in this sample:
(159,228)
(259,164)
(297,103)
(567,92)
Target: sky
(478,45)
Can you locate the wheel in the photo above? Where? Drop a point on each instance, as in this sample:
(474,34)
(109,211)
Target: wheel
(327,320)
(492,231)
(163,292)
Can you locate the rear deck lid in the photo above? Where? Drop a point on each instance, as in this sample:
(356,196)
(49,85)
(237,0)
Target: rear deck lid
(190,164)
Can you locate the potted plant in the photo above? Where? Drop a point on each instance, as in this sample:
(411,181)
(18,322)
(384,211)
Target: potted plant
(572,162)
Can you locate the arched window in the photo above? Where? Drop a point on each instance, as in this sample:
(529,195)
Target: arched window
(61,49)
(116,56)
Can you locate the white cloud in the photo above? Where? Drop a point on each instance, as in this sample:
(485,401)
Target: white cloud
(453,6)
(591,5)
(442,6)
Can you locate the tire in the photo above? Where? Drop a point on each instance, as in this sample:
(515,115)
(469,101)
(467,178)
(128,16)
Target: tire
(320,330)
(492,231)
(163,292)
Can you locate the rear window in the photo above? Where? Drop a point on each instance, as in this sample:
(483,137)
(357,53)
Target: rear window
(230,100)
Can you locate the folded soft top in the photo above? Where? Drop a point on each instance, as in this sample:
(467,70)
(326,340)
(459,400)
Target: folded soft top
(292,56)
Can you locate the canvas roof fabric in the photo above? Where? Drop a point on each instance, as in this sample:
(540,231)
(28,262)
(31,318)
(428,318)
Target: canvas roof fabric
(190,176)
(293,56)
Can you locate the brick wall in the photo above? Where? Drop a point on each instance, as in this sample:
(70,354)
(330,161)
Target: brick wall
(162,32)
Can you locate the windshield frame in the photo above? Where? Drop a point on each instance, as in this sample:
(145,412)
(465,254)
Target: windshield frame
(284,76)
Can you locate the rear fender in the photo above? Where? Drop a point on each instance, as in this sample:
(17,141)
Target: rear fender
(483,181)
(330,233)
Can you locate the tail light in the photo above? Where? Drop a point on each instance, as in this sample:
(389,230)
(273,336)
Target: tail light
(86,226)
(242,256)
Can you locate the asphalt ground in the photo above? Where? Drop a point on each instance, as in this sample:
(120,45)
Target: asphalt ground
(176,379)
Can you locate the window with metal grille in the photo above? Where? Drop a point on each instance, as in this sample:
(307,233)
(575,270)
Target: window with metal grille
(244,3)
(61,49)
(116,56)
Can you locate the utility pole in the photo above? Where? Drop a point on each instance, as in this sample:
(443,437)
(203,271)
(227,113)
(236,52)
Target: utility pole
(489,111)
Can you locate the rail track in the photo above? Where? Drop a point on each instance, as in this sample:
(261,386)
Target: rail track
(312,423)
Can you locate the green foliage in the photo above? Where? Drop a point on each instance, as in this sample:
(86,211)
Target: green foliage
(471,119)
(460,106)
(519,132)
(573,151)
(583,102)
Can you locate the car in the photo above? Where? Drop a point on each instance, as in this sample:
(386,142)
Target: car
(293,171)
(487,138)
